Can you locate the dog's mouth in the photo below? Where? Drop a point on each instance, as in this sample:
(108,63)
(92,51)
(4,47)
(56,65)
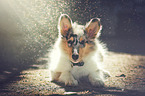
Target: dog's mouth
(77,63)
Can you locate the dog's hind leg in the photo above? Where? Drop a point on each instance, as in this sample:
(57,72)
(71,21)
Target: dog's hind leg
(106,74)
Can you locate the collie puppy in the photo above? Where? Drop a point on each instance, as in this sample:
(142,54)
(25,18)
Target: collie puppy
(77,53)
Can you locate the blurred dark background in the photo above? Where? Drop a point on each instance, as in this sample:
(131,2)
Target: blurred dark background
(28,28)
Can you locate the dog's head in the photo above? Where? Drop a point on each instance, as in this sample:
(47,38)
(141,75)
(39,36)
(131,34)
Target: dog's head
(77,40)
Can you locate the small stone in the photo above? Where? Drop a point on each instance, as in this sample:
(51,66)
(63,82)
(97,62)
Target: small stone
(122,75)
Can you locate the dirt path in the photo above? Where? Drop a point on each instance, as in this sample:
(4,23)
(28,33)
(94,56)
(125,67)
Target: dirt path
(127,78)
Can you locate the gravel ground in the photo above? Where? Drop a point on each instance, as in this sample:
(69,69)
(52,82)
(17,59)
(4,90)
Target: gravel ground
(127,78)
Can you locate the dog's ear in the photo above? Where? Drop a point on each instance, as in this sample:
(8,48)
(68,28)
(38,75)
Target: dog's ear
(93,28)
(64,24)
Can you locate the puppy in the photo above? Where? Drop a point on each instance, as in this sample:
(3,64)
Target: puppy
(77,53)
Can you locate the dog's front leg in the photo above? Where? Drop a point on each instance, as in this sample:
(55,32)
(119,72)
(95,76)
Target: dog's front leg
(67,78)
(96,78)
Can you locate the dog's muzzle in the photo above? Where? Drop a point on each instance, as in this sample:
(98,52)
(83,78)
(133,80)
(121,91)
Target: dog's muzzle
(77,64)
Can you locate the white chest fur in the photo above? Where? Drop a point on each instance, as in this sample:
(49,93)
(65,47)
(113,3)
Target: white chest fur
(79,71)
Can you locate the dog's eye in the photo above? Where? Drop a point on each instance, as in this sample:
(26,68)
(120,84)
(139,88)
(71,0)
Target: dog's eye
(82,43)
(70,42)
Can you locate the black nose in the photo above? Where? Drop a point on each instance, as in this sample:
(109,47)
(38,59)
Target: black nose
(75,57)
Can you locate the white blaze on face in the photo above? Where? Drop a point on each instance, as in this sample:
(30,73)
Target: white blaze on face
(75,51)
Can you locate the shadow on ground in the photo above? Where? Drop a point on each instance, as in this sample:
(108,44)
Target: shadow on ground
(85,88)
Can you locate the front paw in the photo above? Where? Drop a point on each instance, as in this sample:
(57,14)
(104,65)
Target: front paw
(97,82)
(71,82)
(68,79)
